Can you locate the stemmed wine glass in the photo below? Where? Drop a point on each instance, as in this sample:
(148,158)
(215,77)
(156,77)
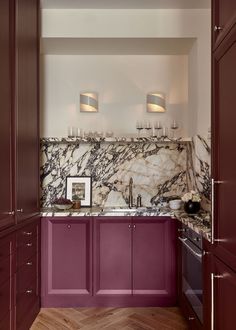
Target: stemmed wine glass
(174,127)
(139,127)
(148,128)
(158,128)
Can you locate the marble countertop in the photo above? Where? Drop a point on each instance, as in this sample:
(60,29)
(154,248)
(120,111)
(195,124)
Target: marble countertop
(195,223)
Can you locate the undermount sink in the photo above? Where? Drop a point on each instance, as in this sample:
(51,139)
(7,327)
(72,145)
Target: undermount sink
(126,210)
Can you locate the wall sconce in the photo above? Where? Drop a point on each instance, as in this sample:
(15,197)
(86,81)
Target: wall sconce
(155,102)
(89,102)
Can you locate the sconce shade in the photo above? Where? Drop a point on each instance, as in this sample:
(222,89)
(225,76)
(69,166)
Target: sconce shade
(155,102)
(89,102)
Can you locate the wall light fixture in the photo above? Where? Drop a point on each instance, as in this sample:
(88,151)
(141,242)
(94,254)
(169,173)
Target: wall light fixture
(88,102)
(155,102)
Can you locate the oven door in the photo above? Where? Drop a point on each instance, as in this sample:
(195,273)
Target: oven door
(192,275)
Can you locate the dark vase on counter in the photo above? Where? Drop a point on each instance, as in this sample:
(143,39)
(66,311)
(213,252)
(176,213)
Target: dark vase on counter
(191,207)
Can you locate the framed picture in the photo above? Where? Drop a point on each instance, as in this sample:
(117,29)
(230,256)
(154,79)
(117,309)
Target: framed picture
(79,188)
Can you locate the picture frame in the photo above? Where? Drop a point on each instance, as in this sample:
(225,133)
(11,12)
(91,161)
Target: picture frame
(79,188)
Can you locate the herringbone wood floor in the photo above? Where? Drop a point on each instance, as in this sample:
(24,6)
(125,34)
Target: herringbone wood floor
(110,319)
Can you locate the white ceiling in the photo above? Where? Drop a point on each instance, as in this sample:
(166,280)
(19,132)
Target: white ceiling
(125,4)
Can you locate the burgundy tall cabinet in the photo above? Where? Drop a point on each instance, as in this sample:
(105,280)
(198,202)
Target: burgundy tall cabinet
(19,166)
(223,271)
(26,109)
(6,106)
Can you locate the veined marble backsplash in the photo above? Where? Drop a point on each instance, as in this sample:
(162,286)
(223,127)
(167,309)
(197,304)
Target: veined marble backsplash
(199,169)
(157,169)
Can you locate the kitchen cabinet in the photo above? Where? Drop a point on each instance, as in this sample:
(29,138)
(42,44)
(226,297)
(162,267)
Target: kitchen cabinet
(224,155)
(19,280)
(110,261)
(154,256)
(6,105)
(135,255)
(66,259)
(27,275)
(224,292)
(7,269)
(26,109)
(19,127)
(112,256)
(223,19)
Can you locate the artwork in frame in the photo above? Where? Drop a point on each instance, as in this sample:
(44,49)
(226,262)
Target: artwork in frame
(79,188)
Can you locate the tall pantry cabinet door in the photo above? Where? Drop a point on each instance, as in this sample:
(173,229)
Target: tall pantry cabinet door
(6,219)
(27,127)
(224,152)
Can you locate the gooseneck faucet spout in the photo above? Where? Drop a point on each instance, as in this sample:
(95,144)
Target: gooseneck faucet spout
(131,200)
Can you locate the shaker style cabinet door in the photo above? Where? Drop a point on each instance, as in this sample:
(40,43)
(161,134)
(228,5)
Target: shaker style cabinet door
(6,207)
(224,153)
(26,116)
(154,257)
(112,256)
(224,17)
(67,254)
(224,292)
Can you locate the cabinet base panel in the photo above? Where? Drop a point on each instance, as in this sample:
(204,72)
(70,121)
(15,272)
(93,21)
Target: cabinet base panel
(110,301)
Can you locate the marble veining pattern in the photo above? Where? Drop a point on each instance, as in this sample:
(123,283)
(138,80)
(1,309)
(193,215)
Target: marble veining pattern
(156,168)
(199,168)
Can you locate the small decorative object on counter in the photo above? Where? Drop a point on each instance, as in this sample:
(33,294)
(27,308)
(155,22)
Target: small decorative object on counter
(77,204)
(175,204)
(62,203)
(191,201)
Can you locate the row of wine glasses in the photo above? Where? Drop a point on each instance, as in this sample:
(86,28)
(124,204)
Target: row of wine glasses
(156,129)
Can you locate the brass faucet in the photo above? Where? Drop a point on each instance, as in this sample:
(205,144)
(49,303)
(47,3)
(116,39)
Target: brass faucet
(131,199)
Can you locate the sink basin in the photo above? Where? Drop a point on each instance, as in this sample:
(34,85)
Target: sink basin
(126,210)
(118,210)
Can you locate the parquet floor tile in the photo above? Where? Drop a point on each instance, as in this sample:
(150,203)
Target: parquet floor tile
(110,319)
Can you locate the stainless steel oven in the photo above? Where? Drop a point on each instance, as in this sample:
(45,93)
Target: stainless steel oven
(192,289)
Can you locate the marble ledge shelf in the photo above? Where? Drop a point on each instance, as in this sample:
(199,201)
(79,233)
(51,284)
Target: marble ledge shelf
(110,140)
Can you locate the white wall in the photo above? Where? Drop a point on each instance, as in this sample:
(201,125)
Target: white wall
(120,90)
(122,83)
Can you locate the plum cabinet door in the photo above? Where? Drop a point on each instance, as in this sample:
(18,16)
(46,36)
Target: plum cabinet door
(112,256)
(26,109)
(224,288)
(154,257)
(6,207)
(224,119)
(68,249)
(223,18)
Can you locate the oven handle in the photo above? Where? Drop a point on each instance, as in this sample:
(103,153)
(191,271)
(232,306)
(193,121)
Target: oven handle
(184,241)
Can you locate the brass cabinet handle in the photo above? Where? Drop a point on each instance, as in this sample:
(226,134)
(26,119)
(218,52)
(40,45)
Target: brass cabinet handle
(29,244)
(29,263)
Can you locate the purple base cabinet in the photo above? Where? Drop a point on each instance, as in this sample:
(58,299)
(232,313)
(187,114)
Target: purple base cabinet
(66,261)
(135,261)
(108,261)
